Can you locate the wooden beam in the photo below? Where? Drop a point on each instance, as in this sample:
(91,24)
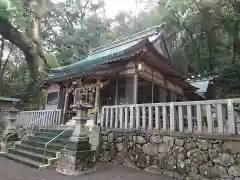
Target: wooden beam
(127,71)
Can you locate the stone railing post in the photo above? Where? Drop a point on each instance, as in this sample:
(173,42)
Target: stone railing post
(9,128)
(11,121)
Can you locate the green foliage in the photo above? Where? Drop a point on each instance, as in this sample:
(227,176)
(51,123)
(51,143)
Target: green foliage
(76,31)
(198,33)
(13,10)
(4,9)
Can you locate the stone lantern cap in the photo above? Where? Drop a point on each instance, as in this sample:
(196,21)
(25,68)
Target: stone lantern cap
(13,110)
(13,113)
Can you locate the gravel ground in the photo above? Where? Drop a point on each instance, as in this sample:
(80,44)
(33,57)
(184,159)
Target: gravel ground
(10,170)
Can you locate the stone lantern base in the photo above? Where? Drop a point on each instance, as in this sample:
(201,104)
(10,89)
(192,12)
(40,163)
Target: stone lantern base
(77,158)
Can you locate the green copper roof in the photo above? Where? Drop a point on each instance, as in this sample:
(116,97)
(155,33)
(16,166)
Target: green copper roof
(2,98)
(104,54)
(201,85)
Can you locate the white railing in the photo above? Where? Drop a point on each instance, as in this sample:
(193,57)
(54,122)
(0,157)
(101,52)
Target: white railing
(215,116)
(51,117)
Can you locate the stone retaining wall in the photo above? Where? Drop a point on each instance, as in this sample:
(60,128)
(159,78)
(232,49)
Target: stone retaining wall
(181,156)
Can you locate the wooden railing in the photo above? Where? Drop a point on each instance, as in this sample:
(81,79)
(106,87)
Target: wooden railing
(215,116)
(51,117)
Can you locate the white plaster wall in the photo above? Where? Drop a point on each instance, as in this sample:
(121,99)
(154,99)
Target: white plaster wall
(52,88)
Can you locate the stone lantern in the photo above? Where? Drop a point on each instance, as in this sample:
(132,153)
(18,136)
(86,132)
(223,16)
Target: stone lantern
(81,118)
(11,121)
(77,157)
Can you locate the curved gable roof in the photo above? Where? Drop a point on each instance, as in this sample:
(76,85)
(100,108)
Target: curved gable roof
(117,50)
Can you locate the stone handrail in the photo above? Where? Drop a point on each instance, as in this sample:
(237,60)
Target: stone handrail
(25,127)
(44,154)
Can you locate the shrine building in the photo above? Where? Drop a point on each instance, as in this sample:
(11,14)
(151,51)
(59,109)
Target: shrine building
(133,70)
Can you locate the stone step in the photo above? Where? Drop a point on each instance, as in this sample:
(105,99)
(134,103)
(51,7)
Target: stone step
(66,135)
(39,144)
(32,156)
(26,161)
(34,149)
(56,131)
(31,150)
(58,140)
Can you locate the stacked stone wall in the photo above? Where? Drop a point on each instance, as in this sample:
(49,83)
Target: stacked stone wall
(178,155)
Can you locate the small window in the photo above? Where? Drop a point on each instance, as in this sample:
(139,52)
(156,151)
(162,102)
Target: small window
(52,98)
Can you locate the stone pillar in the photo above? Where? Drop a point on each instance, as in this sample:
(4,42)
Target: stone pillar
(10,127)
(78,157)
(94,139)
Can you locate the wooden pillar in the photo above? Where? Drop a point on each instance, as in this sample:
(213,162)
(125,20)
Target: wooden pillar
(97,96)
(117,92)
(129,93)
(61,96)
(135,88)
(97,99)
(61,100)
(162,94)
(65,103)
(173,96)
(152,88)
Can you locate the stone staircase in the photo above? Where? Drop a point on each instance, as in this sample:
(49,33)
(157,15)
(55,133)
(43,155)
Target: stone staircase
(30,151)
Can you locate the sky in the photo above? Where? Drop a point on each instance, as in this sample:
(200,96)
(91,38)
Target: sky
(114,6)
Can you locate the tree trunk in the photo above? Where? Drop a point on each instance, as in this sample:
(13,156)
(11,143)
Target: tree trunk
(235,44)
(210,58)
(4,65)
(1,62)
(17,38)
